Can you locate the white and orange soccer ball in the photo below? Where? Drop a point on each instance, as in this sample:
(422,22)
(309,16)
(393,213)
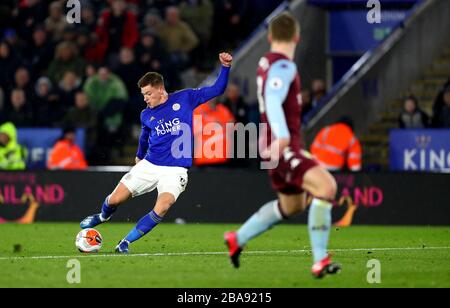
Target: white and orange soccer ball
(89,241)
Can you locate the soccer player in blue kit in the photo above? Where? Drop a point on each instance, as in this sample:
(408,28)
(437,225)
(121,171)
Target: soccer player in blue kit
(156,165)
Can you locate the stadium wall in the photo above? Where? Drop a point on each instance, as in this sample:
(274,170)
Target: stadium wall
(225,196)
(381,74)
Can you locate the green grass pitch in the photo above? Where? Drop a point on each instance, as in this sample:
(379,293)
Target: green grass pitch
(194,256)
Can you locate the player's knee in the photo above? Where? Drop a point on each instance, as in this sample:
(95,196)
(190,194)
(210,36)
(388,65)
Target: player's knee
(292,208)
(163,208)
(328,191)
(163,205)
(114,200)
(298,207)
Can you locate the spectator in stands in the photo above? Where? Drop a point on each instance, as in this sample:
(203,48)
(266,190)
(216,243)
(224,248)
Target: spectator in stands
(108,95)
(56,22)
(412,116)
(40,52)
(82,115)
(235,103)
(337,148)
(88,18)
(9,62)
(216,150)
(47,106)
(12,155)
(444,117)
(160,6)
(21,113)
(86,42)
(16,44)
(28,14)
(199,15)
(129,71)
(104,87)
(306,102)
(438,105)
(67,87)
(178,37)
(22,80)
(152,21)
(66,155)
(70,34)
(319,90)
(117,28)
(149,52)
(90,71)
(66,59)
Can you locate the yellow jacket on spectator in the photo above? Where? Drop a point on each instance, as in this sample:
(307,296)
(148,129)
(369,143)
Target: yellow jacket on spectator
(12,154)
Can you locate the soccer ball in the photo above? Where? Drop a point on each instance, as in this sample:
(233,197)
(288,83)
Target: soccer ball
(89,241)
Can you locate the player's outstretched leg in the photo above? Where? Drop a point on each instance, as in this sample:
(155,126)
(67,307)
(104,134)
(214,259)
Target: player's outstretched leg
(268,216)
(97,219)
(321,184)
(319,225)
(148,222)
(109,207)
(144,226)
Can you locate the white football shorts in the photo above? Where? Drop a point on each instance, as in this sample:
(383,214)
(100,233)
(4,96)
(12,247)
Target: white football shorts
(145,177)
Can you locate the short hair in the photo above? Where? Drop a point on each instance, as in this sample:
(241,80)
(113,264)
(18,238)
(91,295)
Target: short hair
(411,98)
(284,27)
(151,79)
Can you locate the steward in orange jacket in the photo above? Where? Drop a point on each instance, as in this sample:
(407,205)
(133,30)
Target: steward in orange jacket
(215,113)
(336,147)
(66,155)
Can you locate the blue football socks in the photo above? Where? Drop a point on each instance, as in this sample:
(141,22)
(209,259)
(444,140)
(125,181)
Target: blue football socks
(144,226)
(107,211)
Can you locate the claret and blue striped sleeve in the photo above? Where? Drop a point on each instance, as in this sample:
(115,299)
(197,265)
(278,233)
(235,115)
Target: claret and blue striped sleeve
(281,75)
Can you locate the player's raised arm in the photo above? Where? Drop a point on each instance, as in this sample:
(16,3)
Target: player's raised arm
(143,143)
(280,78)
(205,94)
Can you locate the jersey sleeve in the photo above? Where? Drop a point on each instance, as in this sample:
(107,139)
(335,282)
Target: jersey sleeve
(202,95)
(280,77)
(143,141)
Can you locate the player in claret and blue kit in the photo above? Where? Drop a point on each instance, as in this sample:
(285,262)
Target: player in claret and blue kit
(296,173)
(158,164)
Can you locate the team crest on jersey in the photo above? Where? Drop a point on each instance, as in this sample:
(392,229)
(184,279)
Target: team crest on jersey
(152,119)
(264,64)
(176,107)
(276,83)
(183,182)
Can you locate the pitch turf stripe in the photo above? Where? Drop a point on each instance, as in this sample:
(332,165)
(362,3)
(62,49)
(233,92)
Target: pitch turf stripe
(187,254)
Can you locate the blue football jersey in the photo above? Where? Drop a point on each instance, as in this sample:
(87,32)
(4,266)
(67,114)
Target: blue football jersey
(169,122)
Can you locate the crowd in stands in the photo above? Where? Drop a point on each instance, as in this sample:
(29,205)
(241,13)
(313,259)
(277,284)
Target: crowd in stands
(413,117)
(83,75)
(57,74)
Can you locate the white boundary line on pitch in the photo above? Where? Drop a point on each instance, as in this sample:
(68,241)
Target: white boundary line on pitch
(187,254)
